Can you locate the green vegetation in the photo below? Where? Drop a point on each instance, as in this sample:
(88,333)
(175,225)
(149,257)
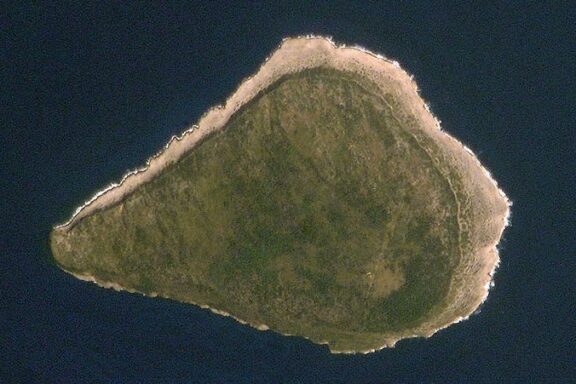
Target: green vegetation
(318,211)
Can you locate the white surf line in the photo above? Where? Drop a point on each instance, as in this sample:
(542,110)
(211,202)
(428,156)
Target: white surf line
(293,55)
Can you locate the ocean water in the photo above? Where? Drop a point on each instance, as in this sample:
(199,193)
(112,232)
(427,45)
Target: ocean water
(88,92)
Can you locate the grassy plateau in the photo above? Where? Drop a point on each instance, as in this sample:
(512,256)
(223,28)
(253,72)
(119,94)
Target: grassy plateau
(316,211)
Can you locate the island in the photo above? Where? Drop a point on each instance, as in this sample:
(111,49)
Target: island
(322,200)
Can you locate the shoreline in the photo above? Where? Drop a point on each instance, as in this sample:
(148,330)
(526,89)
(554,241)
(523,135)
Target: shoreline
(293,55)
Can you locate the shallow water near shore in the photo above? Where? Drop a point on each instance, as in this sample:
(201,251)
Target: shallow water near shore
(95,93)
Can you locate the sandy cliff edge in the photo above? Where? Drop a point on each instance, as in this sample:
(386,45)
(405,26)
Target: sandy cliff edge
(293,55)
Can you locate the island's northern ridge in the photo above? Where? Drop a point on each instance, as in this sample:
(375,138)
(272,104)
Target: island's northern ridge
(321,200)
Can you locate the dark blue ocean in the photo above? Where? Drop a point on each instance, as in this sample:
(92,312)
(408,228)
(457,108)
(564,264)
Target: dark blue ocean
(88,92)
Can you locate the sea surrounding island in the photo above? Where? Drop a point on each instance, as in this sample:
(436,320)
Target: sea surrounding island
(322,199)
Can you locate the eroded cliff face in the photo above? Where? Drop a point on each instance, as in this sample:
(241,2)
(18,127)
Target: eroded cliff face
(321,200)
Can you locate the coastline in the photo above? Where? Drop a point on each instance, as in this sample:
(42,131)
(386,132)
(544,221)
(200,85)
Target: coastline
(293,55)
